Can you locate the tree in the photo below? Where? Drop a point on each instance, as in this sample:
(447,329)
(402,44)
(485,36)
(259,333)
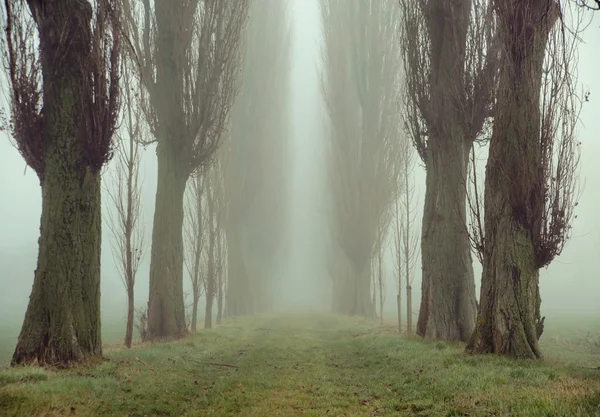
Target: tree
(530,184)
(221,267)
(63,66)
(360,87)
(450,56)
(257,161)
(214,209)
(405,239)
(194,228)
(188,56)
(125,194)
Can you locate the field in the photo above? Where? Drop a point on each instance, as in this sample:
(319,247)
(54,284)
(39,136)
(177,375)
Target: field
(320,365)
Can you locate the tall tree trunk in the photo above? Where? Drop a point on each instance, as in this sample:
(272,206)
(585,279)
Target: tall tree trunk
(220,299)
(130,317)
(210,278)
(359,290)
(166,311)
(62,322)
(507,320)
(380,275)
(409,310)
(448,306)
(239,295)
(399,304)
(194,324)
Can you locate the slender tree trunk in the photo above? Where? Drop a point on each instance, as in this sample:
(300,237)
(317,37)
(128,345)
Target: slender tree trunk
(448,305)
(380,267)
(166,311)
(409,310)
(194,324)
(399,304)
(130,317)
(208,312)
(507,323)
(220,299)
(62,321)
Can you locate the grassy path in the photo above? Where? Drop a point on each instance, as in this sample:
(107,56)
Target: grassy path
(314,366)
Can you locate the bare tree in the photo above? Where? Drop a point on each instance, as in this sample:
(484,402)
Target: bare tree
(360,86)
(125,193)
(450,55)
(62,60)
(221,266)
(194,231)
(405,239)
(531,174)
(381,282)
(257,160)
(214,210)
(188,56)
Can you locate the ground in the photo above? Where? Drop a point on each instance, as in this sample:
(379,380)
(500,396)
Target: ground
(320,365)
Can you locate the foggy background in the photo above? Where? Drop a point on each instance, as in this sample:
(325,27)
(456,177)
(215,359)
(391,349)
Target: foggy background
(569,285)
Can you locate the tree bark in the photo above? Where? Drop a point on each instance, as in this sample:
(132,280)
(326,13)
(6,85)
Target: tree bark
(448,307)
(508,320)
(166,311)
(62,321)
(130,317)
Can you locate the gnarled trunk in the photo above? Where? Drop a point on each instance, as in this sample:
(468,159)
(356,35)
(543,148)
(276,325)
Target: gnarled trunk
(508,320)
(62,322)
(166,312)
(448,307)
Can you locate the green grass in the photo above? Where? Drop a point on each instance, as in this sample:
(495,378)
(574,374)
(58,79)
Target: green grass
(305,365)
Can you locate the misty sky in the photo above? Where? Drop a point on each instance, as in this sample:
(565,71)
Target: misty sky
(570,284)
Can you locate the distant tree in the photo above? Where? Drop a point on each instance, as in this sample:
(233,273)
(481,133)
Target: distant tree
(125,194)
(531,182)
(381,282)
(188,55)
(194,232)
(221,266)
(450,56)
(62,59)
(257,160)
(360,86)
(214,208)
(405,237)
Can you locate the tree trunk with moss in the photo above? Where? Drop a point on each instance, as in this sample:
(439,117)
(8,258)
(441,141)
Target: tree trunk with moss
(62,322)
(448,305)
(166,311)
(509,311)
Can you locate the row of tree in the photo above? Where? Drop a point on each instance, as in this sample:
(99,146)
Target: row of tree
(446,75)
(169,75)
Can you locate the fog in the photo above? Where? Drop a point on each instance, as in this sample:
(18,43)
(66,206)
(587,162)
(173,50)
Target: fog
(571,284)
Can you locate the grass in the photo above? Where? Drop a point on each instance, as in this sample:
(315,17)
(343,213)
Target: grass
(320,365)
